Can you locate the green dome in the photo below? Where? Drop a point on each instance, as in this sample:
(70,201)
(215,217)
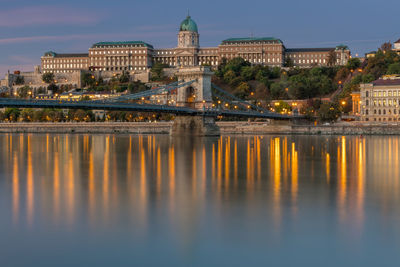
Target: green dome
(188,25)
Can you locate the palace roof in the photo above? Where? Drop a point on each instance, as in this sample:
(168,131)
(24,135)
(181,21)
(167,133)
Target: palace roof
(140,43)
(386,82)
(188,25)
(294,50)
(252,39)
(54,54)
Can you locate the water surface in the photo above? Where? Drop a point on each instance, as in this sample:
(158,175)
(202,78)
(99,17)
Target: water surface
(106,200)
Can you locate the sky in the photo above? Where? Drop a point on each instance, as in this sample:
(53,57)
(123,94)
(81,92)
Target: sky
(29,28)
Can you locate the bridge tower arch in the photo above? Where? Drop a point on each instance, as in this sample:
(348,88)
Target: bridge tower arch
(198,96)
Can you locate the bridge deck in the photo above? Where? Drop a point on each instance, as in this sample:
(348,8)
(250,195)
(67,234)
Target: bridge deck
(98,105)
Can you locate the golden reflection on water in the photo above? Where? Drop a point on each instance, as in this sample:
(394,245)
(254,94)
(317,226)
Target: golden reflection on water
(15,190)
(342,190)
(100,173)
(29,184)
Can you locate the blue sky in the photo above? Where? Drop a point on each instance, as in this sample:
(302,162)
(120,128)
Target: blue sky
(30,28)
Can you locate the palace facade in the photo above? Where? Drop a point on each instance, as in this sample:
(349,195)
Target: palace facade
(380,100)
(139,56)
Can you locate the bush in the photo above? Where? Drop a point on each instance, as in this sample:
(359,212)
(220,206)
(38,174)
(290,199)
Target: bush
(329,112)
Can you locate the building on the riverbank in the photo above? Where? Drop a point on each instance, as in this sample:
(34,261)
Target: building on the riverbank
(139,56)
(64,63)
(380,100)
(396,46)
(356,103)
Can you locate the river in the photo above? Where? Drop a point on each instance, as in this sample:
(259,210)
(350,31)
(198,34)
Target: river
(154,200)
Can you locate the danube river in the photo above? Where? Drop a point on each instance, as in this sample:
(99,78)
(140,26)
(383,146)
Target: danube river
(116,200)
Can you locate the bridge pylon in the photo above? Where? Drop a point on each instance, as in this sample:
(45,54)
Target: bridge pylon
(197,95)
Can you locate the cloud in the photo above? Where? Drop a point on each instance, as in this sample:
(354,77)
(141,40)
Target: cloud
(46,15)
(93,37)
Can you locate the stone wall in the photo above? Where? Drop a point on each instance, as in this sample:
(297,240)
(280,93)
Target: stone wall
(240,128)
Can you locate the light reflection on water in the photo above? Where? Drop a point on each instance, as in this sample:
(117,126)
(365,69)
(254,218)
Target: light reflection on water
(230,200)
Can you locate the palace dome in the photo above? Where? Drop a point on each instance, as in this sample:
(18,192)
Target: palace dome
(188,25)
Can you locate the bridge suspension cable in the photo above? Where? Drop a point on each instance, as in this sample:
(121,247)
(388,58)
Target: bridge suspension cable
(156,91)
(219,91)
(3,89)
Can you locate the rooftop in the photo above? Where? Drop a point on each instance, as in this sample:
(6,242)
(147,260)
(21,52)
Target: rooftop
(252,39)
(54,54)
(293,50)
(141,43)
(188,25)
(393,80)
(397,42)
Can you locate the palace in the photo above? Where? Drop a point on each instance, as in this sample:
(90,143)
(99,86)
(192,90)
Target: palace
(380,100)
(139,56)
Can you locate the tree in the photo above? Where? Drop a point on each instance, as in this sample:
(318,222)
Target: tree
(88,79)
(157,71)
(53,88)
(331,58)
(236,65)
(229,76)
(276,90)
(394,68)
(24,91)
(19,80)
(386,46)
(247,72)
(329,112)
(242,91)
(288,62)
(2,116)
(353,63)
(12,114)
(124,78)
(282,106)
(48,77)
(27,114)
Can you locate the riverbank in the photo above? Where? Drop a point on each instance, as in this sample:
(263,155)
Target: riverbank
(242,128)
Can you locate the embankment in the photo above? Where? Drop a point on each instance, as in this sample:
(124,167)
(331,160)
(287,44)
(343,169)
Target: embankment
(241,128)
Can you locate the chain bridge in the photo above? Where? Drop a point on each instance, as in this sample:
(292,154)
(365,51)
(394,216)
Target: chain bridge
(195,107)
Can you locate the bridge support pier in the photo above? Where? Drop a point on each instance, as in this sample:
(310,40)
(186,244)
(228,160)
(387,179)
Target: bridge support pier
(194,126)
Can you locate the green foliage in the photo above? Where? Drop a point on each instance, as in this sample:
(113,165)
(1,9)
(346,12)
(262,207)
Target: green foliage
(48,77)
(329,112)
(242,90)
(19,80)
(12,114)
(394,68)
(124,78)
(288,62)
(41,90)
(157,71)
(23,92)
(247,72)
(310,83)
(229,76)
(353,63)
(236,65)
(88,79)
(278,91)
(379,65)
(52,87)
(80,115)
(283,107)
(137,87)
